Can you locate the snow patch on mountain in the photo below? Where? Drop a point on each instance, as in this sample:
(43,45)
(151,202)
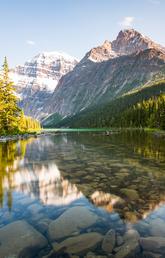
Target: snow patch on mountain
(42,83)
(36,80)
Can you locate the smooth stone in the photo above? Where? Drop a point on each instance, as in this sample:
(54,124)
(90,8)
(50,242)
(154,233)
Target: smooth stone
(92,255)
(157,227)
(153,216)
(35,208)
(109,241)
(52,254)
(11,256)
(43,225)
(70,222)
(142,227)
(153,244)
(131,194)
(79,244)
(161,212)
(34,218)
(115,217)
(151,255)
(26,201)
(130,248)
(49,255)
(131,235)
(119,240)
(20,239)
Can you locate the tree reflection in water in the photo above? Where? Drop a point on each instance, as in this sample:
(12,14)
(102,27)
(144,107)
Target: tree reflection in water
(11,153)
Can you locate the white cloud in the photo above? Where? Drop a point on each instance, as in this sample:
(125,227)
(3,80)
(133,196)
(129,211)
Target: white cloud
(30,42)
(127,22)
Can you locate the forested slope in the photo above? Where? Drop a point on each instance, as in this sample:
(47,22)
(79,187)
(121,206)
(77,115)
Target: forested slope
(137,108)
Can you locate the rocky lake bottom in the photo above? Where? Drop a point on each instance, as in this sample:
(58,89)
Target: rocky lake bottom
(83,195)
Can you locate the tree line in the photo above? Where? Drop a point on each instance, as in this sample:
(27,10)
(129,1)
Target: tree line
(141,108)
(149,113)
(12,118)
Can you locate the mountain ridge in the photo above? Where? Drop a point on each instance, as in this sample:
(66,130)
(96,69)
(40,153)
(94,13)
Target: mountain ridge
(101,76)
(54,82)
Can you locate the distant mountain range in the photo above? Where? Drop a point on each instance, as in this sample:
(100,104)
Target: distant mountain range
(37,79)
(55,85)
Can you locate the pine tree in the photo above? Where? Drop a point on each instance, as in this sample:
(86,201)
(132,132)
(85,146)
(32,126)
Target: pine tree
(9,110)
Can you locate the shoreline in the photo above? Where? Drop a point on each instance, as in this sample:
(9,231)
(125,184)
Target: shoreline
(6,138)
(16,137)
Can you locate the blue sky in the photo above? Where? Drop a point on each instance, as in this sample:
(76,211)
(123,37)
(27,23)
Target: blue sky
(28,27)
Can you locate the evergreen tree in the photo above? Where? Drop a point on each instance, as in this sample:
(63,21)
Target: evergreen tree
(9,110)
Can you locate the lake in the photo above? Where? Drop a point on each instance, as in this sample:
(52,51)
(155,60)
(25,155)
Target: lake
(81,194)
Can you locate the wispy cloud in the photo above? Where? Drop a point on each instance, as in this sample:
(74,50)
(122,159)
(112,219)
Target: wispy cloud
(30,42)
(154,1)
(127,22)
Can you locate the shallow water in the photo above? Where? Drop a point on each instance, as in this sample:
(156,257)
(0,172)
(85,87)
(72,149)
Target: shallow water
(73,188)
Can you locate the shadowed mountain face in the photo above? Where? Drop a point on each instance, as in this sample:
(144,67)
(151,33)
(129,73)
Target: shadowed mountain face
(108,71)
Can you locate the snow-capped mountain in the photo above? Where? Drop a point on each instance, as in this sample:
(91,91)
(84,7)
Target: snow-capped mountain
(37,79)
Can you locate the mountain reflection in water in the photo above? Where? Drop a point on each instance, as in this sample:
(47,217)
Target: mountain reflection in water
(122,174)
(107,170)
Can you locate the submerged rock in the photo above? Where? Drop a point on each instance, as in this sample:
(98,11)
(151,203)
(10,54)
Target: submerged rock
(21,240)
(92,255)
(142,227)
(128,249)
(131,235)
(109,241)
(26,201)
(43,225)
(119,240)
(71,222)
(131,194)
(157,227)
(131,245)
(151,255)
(153,244)
(35,208)
(79,244)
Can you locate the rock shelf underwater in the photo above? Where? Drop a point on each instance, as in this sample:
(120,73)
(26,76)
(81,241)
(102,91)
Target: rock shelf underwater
(83,195)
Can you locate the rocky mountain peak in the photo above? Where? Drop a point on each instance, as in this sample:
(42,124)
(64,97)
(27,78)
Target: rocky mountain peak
(101,53)
(107,45)
(130,41)
(108,71)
